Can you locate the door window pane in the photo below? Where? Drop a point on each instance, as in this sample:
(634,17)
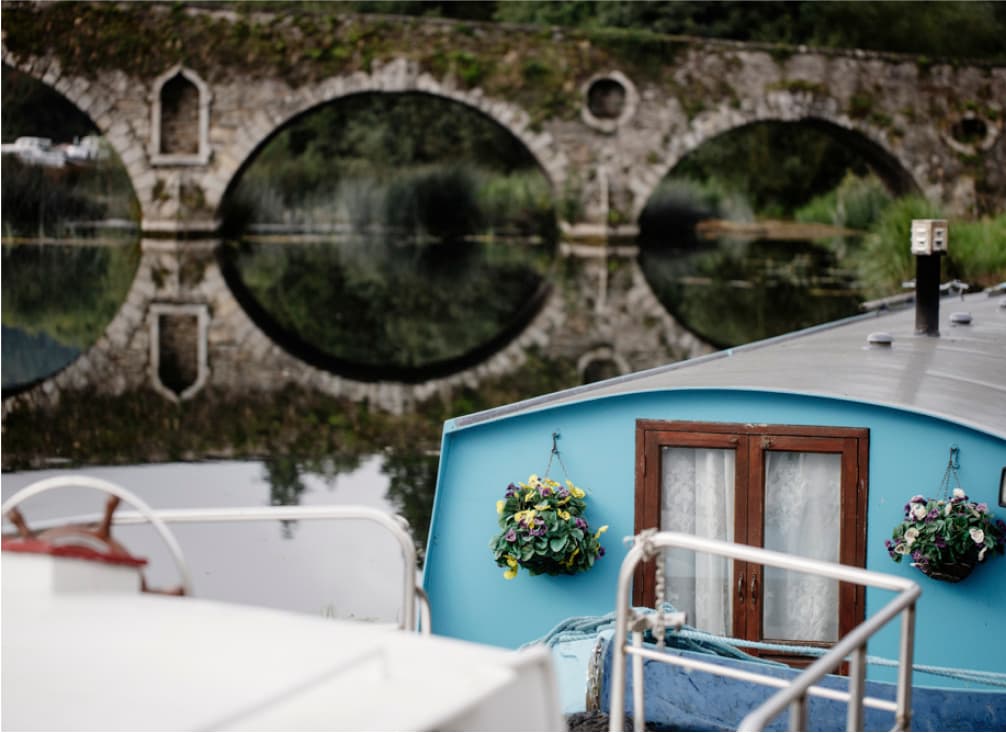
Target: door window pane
(697,497)
(802,517)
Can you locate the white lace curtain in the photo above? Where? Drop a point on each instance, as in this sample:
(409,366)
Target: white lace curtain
(802,516)
(803,511)
(698,498)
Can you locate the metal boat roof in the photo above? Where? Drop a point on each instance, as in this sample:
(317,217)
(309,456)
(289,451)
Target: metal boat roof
(960,375)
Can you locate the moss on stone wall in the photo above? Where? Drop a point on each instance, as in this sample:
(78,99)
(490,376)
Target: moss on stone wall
(541,69)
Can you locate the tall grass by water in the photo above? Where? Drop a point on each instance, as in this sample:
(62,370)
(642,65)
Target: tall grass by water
(421,202)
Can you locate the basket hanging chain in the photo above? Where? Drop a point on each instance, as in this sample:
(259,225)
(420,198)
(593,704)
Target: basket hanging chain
(555,454)
(953,463)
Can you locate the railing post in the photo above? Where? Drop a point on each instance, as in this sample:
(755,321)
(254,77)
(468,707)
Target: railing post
(903,718)
(798,714)
(857,684)
(617,703)
(638,711)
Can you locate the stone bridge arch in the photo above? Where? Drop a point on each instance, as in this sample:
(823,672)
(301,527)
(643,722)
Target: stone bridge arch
(98,98)
(901,174)
(399,76)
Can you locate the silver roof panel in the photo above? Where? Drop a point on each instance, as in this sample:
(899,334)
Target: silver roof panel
(960,375)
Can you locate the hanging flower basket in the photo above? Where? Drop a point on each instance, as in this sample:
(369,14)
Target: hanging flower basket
(543,531)
(946,538)
(950,572)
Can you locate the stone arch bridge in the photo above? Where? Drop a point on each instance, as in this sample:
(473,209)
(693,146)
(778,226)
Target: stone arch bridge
(186,96)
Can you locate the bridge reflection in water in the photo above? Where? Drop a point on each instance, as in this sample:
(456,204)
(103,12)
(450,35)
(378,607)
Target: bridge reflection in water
(201,314)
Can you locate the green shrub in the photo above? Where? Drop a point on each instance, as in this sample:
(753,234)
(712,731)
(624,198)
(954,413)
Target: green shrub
(885,260)
(856,203)
(978,251)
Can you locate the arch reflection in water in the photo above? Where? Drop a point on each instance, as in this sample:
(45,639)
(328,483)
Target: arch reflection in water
(381,308)
(57,301)
(734,291)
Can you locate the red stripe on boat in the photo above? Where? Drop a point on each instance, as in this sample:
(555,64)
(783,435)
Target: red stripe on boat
(40,547)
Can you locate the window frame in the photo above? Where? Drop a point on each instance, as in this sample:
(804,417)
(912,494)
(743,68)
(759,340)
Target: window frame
(750,442)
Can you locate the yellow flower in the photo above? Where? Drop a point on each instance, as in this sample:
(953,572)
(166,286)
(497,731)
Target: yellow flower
(569,562)
(532,479)
(578,493)
(602,530)
(529,496)
(541,507)
(527,516)
(499,506)
(563,515)
(511,572)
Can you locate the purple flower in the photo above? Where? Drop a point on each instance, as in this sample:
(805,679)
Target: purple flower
(888,544)
(562,493)
(600,552)
(940,542)
(983,507)
(917,499)
(511,536)
(545,491)
(580,523)
(511,491)
(933,514)
(918,556)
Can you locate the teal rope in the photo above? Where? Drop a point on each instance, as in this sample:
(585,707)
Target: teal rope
(579,628)
(995,679)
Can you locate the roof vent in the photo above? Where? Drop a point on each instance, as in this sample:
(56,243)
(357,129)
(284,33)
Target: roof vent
(960,318)
(880,338)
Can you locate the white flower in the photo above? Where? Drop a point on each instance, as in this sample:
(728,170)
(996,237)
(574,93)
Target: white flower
(911,534)
(977,535)
(919,511)
(901,549)
(949,508)
(959,493)
(981,554)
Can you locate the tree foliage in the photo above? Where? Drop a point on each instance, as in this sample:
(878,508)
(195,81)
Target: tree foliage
(955,29)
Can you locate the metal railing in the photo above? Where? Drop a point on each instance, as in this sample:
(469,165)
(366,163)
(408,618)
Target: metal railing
(395,525)
(795,692)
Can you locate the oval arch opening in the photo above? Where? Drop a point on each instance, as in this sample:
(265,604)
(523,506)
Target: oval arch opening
(757,231)
(70,232)
(390,236)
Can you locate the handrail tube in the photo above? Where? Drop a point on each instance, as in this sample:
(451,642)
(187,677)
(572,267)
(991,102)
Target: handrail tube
(909,591)
(89,482)
(698,665)
(757,719)
(286,513)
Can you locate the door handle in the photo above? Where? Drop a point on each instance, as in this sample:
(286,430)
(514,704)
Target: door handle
(740,589)
(754,587)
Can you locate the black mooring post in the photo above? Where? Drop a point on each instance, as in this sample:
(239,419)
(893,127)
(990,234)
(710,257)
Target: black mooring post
(927,294)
